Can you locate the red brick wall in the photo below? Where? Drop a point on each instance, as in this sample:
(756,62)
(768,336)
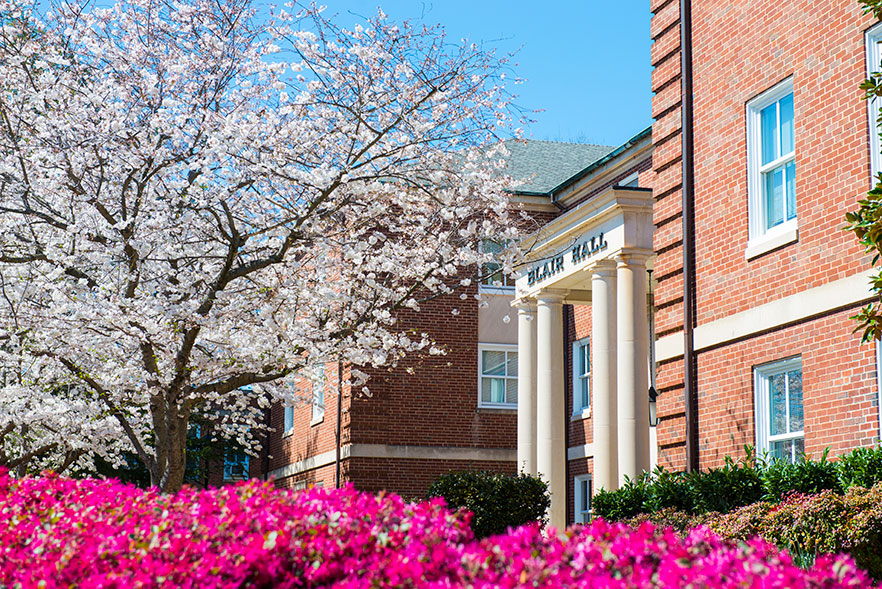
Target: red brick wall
(411,478)
(839,388)
(433,400)
(740,50)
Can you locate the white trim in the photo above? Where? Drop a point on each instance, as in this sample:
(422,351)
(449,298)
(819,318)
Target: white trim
(433,452)
(873,38)
(311,463)
(396,451)
(579,452)
(783,234)
(814,301)
(508,348)
(755,202)
(579,412)
(761,376)
(626,182)
(579,516)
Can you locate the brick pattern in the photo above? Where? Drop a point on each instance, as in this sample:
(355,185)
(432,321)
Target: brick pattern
(839,388)
(667,216)
(410,478)
(740,50)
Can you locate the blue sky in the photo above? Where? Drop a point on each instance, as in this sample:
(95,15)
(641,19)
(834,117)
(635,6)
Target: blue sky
(586,62)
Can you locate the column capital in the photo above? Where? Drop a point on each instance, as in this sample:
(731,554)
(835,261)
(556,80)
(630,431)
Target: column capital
(550,296)
(604,267)
(525,304)
(633,257)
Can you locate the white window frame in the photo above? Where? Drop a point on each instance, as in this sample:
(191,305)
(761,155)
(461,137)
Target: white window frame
(318,400)
(581,411)
(760,239)
(494,348)
(581,516)
(508,289)
(762,375)
(873,38)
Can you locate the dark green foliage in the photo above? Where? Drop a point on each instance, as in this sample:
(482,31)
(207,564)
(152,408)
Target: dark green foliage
(862,467)
(669,490)
(803,476)
(498,501)
(737,484)
(723,489)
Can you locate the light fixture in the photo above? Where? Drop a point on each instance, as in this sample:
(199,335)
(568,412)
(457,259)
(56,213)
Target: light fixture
(653,412)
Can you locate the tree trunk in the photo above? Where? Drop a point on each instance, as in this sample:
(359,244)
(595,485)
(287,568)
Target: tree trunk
(170,424)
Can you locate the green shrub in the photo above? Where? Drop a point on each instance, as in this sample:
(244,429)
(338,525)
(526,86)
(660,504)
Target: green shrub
(623,503)
(668,490)
(862,467)
(803,476)
(723,489)
(497,501)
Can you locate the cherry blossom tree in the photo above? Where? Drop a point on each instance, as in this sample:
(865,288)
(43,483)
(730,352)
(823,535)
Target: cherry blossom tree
(198,203)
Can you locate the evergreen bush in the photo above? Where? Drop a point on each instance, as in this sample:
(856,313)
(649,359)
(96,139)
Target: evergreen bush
(497,501)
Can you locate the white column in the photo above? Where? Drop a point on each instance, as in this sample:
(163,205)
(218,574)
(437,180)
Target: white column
(603,375)
(527,387)
(550,400)
(633,376)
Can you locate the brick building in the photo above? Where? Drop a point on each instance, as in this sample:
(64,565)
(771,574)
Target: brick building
(712,256)
(434,414)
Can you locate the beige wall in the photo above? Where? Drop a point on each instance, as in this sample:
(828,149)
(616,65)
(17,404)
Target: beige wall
(492,328)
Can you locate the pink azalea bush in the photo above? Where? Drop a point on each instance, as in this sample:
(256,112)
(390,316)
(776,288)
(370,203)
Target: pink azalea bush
(59,532)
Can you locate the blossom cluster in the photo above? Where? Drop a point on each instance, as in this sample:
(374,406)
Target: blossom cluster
(56,532)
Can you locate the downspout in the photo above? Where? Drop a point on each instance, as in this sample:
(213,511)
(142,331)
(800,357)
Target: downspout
(568,347)
(337,433)
(689,380)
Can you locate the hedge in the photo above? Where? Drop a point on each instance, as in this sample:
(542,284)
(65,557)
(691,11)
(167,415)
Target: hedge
(497,501)
(57,532)
(740,483)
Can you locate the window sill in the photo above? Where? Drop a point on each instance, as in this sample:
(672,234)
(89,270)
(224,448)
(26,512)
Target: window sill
(762,245)
(497,409)
(316,420)
(581,414)
(496,290)
(288,433)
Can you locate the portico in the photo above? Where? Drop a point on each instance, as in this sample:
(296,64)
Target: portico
(598,254)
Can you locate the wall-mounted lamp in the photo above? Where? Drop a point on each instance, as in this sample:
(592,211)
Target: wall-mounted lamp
(653,412)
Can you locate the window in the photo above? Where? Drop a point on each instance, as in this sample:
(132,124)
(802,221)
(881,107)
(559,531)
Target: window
(582,499)
(632,181)
(874,64)
(493,279)
(289,419)
(318,396)
(771,168)
(581,377)
(498,375)
(779,413)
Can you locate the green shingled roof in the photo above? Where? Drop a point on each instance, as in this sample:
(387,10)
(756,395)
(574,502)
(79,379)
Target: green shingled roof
(545,165)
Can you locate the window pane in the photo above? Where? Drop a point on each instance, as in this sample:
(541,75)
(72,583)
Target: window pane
(493,362)
(492,275)
(511,390)
(493,390)
(584,359)
(777,405)
(786,124)
(585,396)
(585,493)
(491,247)
(512,364)
(774,197)
(783,450)
(798,447)
(289,418)
(769,125)
(790,173)
(794,379)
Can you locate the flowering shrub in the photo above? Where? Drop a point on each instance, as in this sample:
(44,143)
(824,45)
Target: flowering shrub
(57,532)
